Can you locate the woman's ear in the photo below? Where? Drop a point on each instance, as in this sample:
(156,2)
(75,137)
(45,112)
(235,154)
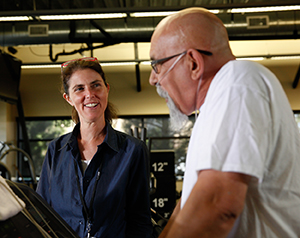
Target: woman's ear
(196,63)
(67,98)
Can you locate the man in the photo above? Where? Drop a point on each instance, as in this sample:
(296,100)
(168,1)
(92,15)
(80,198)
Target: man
(242,172)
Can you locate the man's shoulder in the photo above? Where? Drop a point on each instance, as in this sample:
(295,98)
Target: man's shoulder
(244,72)
(243,66)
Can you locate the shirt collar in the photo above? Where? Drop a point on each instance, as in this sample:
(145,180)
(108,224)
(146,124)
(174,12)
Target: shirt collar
(111,138)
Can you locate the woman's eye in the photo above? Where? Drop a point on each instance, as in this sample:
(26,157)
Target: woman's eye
(96,85)
(78,89)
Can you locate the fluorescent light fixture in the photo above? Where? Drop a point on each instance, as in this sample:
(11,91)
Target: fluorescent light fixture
(118,30)
(82,16)
(231,25)
(118,63)
(215,11)
(151,14)
(264,9)
(16,18)
(41,66)
(160,14)
(147,62)
(58,66)
(269,57)
(251,58)
(288,57)
(65,17)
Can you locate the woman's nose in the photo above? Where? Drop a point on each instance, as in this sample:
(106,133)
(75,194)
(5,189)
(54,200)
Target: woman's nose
(153,78)
(89,93)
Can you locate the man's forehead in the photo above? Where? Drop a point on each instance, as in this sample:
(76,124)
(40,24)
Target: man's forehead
(162,43)
(157,45)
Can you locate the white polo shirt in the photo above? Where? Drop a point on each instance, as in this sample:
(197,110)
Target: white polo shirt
(246,125)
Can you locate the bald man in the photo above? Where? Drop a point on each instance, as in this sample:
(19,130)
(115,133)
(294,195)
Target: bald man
(242,175)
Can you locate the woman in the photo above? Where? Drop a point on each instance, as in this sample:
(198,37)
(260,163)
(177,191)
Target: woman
(96,178)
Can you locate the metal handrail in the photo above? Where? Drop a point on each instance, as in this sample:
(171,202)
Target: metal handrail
(31,165)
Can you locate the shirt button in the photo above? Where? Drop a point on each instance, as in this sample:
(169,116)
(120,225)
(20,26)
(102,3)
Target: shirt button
(80,222)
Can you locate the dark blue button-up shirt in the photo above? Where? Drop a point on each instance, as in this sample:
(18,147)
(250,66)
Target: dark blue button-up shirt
(121,207)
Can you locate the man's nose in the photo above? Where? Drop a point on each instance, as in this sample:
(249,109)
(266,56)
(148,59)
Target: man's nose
(153,78)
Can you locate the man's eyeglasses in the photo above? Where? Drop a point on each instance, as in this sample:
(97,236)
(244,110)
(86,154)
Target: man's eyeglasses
(64,65)
(156,64)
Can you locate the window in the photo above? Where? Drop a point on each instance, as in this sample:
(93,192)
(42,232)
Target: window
(40,132)
(158,137)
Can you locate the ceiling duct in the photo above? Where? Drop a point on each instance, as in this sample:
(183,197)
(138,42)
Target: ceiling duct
(247,26)
(255,26)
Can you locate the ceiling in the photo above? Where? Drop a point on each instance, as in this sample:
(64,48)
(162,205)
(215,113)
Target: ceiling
(65,38)
(279,25)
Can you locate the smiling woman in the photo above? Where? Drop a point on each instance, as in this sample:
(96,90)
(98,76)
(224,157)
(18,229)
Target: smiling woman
(111,194)
(88,94)
(70,67)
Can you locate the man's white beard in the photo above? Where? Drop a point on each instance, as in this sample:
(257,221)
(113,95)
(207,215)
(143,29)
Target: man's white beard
(178,119)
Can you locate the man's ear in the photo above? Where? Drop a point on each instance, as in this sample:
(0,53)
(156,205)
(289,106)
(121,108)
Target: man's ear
(196,63)
(67,98)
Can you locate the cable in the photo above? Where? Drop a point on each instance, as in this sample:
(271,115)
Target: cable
(24,209)
(27,212)
(39,214)
(54,59)
(30,218)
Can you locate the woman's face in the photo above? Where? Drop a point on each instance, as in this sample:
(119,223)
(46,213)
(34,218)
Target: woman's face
(88,94)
